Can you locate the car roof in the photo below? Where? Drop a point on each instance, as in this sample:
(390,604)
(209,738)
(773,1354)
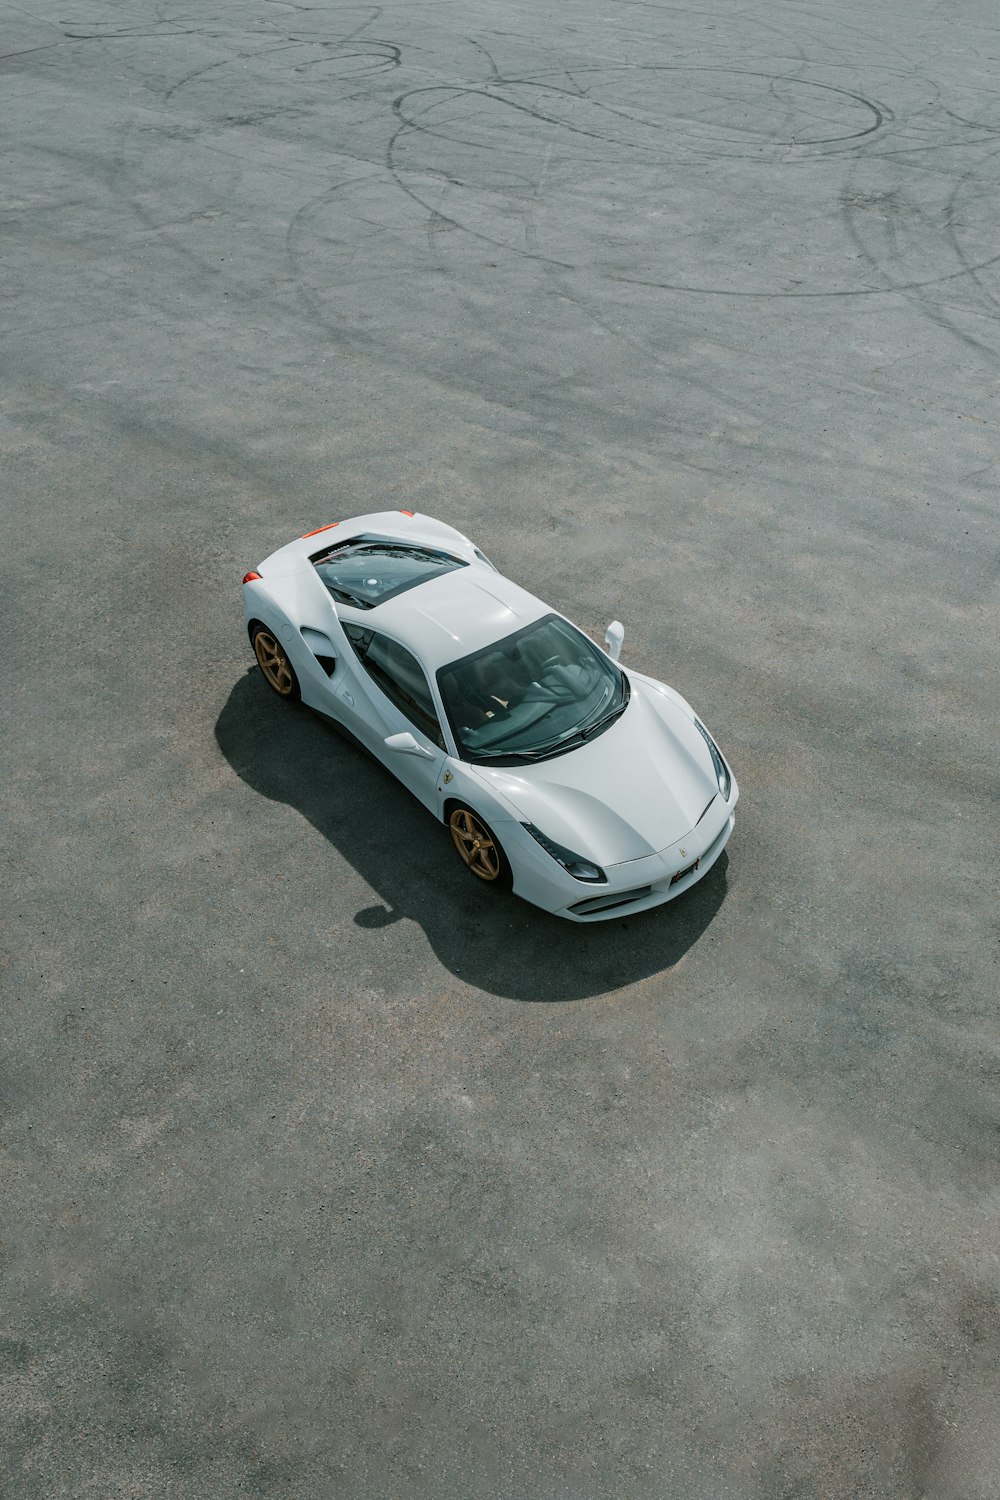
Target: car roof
(449,617)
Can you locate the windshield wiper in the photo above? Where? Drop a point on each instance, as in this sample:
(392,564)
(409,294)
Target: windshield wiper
(608,718)
(555,747)
(511,754)
(541,752)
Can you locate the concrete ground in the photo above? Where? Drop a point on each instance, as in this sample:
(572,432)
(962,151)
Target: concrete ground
(327,1173)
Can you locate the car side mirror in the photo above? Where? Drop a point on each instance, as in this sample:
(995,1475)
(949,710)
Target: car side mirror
(613,637)
(405,744)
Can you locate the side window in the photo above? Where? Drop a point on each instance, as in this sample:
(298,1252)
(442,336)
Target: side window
(359,639)
(400,677)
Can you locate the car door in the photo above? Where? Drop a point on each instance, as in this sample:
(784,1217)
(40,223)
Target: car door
(401,702)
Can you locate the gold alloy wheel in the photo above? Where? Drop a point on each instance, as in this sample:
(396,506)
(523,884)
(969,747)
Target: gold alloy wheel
(475,845)
(274,663)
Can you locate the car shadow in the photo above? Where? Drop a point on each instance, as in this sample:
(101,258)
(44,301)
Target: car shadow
(485,937)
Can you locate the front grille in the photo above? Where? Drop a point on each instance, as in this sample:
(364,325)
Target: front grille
(612,899)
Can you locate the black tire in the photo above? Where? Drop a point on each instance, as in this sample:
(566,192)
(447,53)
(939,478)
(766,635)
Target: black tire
(477,846)
(275,666)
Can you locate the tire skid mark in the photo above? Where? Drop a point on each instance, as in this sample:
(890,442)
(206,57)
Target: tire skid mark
(881,113)
(305,292)
(973,270)
(412,121)
(495,75)
(28,51)
(384,61)
(384,56)
(564,99)
(226,62)
(395,172)
(170,27)
(732,403)
(121,184)
(865,291)
(968,269)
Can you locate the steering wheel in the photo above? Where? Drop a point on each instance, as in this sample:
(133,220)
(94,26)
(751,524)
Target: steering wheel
(561,691)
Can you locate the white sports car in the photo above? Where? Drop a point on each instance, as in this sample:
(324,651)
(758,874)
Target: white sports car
(595,790)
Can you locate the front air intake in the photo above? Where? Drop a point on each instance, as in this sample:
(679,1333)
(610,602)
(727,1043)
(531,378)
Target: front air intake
(611,900)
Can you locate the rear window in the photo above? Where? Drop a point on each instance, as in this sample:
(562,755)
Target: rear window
(368,570)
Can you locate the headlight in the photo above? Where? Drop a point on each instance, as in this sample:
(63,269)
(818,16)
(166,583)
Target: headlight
(721,769)
(573,864)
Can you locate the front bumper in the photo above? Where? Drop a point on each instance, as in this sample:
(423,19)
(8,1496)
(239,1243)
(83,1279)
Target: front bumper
(638,884)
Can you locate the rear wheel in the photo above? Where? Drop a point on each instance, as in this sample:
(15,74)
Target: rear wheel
(478,850)
(272,659)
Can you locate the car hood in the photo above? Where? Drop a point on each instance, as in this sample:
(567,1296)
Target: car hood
(631,791)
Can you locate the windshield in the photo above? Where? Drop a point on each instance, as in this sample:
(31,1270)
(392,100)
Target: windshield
(536,693)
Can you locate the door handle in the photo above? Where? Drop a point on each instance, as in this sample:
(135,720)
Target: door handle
(347,698)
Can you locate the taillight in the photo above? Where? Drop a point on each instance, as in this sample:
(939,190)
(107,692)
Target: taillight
(406,513)
(251,577)
(328,527)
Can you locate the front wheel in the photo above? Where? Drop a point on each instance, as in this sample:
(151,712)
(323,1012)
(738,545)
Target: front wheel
(478,850)
(272,659)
